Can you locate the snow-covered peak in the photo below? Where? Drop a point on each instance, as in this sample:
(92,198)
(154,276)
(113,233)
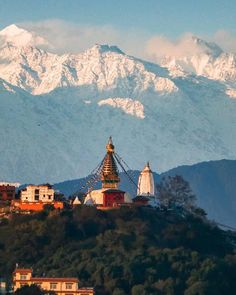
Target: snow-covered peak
(104,48)
(204,47)
(203,59)
(12,30)
(17,36)
(101,67)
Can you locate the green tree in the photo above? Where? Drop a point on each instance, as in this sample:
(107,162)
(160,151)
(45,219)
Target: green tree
(118,291)
(138,290)
(32,290)
(174,191)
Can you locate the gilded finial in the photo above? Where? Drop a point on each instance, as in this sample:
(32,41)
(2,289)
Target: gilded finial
(110,175)
(110,147)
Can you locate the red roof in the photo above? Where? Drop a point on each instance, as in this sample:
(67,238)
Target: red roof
(42,279)
(23,270)
(73,280)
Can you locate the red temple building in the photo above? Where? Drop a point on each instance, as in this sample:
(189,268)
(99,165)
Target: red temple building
(7,192)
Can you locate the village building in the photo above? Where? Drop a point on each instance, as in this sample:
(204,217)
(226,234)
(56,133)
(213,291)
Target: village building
(35,193)
(109,196)
(35,197)
(3,287)
(61,286)
(7,192)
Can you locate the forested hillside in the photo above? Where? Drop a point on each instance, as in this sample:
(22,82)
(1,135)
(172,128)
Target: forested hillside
(127,251)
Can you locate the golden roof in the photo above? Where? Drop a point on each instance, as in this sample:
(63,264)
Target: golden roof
(109,175)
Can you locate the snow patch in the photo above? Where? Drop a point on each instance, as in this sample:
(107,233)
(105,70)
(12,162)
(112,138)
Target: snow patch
(231,92)
(127,105)
(7,87)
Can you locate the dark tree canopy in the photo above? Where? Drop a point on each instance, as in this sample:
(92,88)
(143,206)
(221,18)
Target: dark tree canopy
(127,251)
(32,290)
(174,191)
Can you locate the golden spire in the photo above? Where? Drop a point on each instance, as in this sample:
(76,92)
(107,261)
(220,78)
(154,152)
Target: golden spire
(110,176)
(110,147)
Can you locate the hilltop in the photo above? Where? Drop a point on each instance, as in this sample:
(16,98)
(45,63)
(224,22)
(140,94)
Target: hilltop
(126,251)
(212,182)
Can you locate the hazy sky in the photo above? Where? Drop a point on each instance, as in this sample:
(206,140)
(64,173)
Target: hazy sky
(169,17)
(125,23)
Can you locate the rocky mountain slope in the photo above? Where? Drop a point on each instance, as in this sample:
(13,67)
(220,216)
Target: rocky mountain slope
(57,111)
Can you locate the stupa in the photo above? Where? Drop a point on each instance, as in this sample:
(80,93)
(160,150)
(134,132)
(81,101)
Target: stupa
(146,188)
(109,196)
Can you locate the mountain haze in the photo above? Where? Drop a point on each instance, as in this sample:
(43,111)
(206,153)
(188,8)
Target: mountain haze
(53,107)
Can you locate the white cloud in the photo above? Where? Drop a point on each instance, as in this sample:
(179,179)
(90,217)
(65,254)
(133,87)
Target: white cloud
(227,40)
(71,37)
(186,45)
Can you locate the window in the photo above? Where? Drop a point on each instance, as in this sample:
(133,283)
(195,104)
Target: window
(23,277)
(53,286)
(68,286)
(36,194)
(49,197)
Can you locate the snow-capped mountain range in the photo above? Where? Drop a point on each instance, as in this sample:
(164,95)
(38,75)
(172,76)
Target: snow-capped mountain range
(57,111)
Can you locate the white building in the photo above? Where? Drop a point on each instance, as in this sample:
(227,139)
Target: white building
(146,186)
(36,193)
(146,182)
(62,286)
(3,288)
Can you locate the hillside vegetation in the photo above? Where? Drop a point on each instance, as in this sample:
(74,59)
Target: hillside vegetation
(126,251)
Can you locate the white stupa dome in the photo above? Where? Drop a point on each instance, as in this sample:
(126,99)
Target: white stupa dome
(146,182)
(94,197)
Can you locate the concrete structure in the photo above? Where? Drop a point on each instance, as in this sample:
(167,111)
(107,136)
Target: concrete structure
(3,287)
(35,197)
(7,192)
(35,193)
(61,286)
(35,206)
